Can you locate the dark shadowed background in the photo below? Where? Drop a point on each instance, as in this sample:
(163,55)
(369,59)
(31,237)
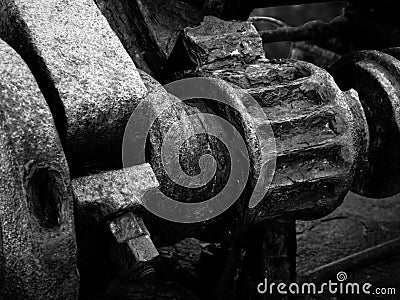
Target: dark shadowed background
(296,15)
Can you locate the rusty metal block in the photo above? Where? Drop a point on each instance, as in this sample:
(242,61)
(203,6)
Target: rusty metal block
(114,192)
(313,54)
(38,248)
(149,29)
(127,227)
(89,81)
(143,248)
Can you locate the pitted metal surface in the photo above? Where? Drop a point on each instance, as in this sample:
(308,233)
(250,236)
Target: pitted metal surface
(95,85)
(36,209)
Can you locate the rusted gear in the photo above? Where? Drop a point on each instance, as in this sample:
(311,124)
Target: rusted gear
(320,142)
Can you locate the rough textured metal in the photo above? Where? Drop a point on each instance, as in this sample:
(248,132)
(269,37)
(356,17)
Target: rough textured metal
(215,44)
(2,269)
(172,111)
(271,254)
(229,10)
(375,76)
(113,201)
(361,129)
(79,63)
(318,139)
(36,208)
(310,31)
(127,227)
(395,52)
(114,192)
(313,54)
(149,29)
(143,248)
(320,143)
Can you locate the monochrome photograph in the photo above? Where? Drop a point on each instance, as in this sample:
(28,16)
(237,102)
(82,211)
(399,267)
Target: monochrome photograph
(199,149)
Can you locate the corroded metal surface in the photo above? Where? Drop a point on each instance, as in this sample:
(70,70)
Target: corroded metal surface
(313,54)
(143,248)
(113,201)
(80,64)
(172,111)
(113,196)
(320,143)
(1,256)
(375,76)
(127,227)
(149,29)
(215,44)
(36,209)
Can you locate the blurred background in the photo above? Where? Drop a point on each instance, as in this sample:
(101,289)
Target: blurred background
(295,15)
